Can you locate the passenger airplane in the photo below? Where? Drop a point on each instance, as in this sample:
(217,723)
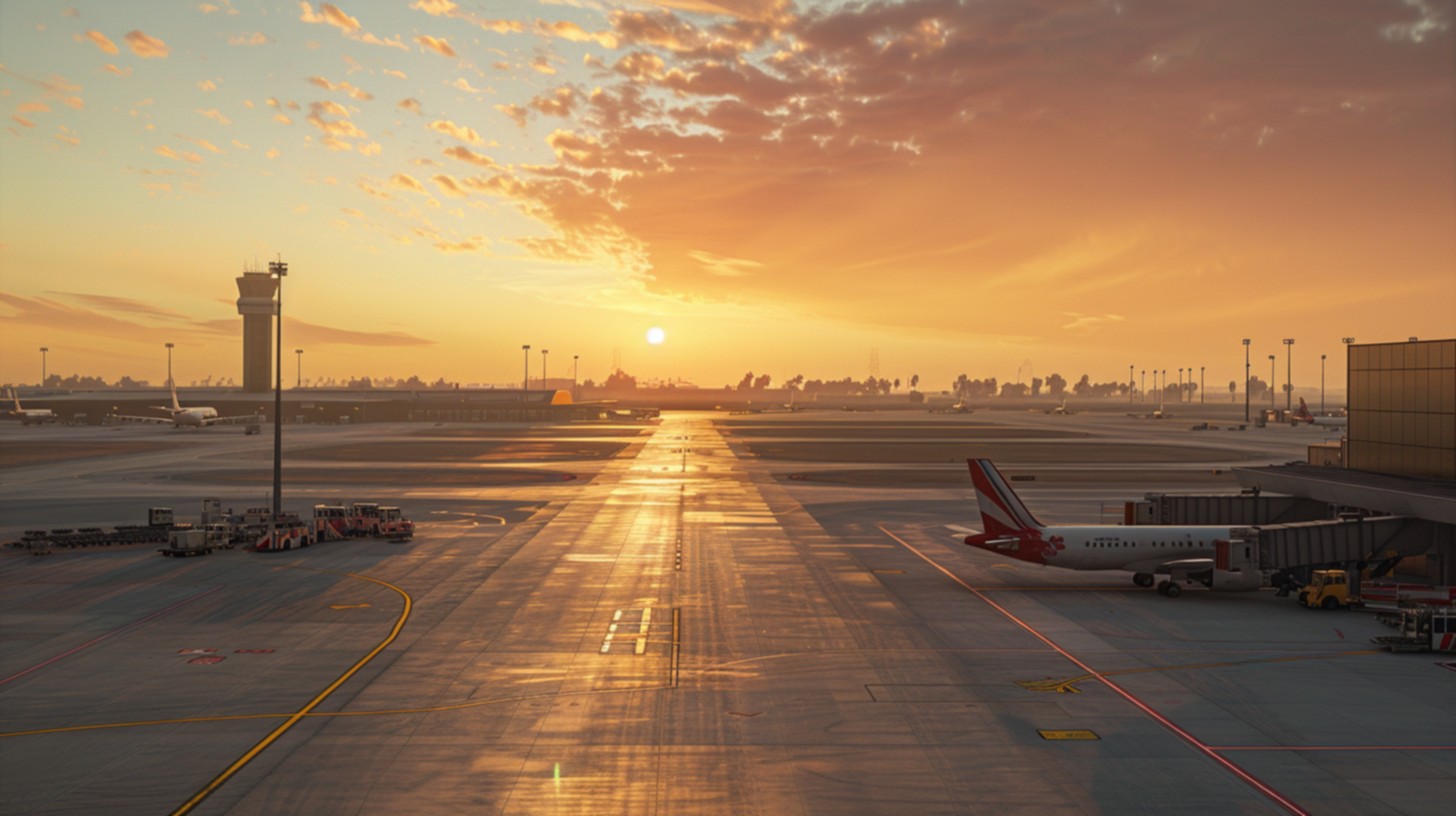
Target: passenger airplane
(1303,415)
(1212,556)
(192,417)
(28,416)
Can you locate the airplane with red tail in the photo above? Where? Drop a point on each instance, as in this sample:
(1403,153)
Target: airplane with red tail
(1302,414)
(1220,558)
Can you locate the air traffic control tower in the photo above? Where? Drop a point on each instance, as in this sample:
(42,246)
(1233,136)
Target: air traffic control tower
(256,305)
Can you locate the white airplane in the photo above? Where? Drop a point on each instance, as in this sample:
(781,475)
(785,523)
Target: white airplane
(28,416)
(1215,557)
(191,417)
(1302,414)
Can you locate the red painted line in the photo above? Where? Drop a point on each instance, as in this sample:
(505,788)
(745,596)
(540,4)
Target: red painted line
(113,633)
(1198,744)
(1332,748)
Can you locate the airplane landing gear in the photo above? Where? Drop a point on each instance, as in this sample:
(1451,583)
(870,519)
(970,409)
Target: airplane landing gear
(1169,589)
(1143,579)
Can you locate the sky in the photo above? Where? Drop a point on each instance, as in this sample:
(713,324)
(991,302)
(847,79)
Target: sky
(990,187)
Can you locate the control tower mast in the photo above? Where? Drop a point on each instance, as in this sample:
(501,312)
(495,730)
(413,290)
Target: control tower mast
(257,306)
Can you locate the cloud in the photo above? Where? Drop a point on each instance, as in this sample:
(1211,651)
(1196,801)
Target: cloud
(353,92)
(572,32)
(559,102)
(469,156)
(32,107)
(724,267)
(460,132)
(404,181)
(249,39)
(102,42)
(215,115)
(436,8)
(463,84)
(1085,322)
(187,156)
(439,46)
(476,244)
(395,74)
(207,86)
(145,46)
(411,104)
(329,14)
(516,113)
(112,69)
(448,185)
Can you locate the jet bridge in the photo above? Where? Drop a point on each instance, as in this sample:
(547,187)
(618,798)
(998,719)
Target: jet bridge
(1238,509)
(1378,542)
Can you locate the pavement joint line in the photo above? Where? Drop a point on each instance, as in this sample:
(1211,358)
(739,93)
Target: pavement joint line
(114,632)
(1202,747)
(252,753)
(1066,685)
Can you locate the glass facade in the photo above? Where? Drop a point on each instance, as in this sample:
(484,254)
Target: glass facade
(1402,405)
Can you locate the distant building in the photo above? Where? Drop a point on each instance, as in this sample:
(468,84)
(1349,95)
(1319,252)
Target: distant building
(257,306)
(1402,404)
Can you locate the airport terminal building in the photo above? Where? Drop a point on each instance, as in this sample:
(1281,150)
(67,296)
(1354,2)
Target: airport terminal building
(1395,496)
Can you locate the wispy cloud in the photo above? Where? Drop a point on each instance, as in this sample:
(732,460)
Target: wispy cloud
(102,42)
(439,46)
(464,134)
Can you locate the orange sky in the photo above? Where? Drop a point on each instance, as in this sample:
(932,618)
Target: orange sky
(784,188)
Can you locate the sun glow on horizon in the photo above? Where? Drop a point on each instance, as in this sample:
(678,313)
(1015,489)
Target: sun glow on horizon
(656,335)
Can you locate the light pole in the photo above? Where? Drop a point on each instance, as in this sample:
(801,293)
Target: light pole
(1288,373)
(544,352)
(1348,341)
(1322,383)
(43,351)
(280,269)
(299,352)
(1200,384)
(1131,384)
(1271,382)
(1143,390)
(170,384)
(526,382)
(575,358)
(1180,384)
(1246,379)
(1161,391)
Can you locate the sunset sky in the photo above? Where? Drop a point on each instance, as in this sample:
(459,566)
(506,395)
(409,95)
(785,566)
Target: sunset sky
(787,188)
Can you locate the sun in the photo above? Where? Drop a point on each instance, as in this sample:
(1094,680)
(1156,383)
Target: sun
(655,336)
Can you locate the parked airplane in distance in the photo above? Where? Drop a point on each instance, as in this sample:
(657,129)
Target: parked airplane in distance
(31,416)
(191,417)
(1302,414)
(1212,556)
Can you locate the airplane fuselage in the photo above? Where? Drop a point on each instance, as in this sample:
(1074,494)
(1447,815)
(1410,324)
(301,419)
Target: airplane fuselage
(35,416)
(1103,547)
(194,417)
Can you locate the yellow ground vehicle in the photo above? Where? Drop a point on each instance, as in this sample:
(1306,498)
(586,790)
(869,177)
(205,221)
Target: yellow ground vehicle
(1327,589)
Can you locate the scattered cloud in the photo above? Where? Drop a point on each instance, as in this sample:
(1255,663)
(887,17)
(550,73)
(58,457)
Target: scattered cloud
(353,92)
(248,39)
(1081,322)
(469,156)
(329,14)
(448,185)
(207,86)
(516,113)
(464,134)
(724,267)
(214,114)
(436,8)
(405,181)
(395,74)
(112,69)
(463,84)
(147,47)
(439,46)
(411,104)
(102,42)
(186,156)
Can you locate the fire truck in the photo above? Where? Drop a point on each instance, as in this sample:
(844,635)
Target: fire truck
(287,532)
(394,526)
(364,519)
(330,522)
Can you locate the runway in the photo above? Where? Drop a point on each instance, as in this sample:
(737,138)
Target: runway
(675,629)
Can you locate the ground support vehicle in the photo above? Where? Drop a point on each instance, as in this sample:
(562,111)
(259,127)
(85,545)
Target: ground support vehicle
(287,532)
(330,522)
(1423,628)
(364,519)
(1328,589)
(393,526)
(186,542)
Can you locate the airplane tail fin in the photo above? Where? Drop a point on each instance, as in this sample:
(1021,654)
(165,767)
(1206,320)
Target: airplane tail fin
(1303,412)
(175,405)
(1002,511)
(15,395)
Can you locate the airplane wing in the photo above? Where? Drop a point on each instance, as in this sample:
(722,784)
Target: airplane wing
(150,420)
(234,420)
